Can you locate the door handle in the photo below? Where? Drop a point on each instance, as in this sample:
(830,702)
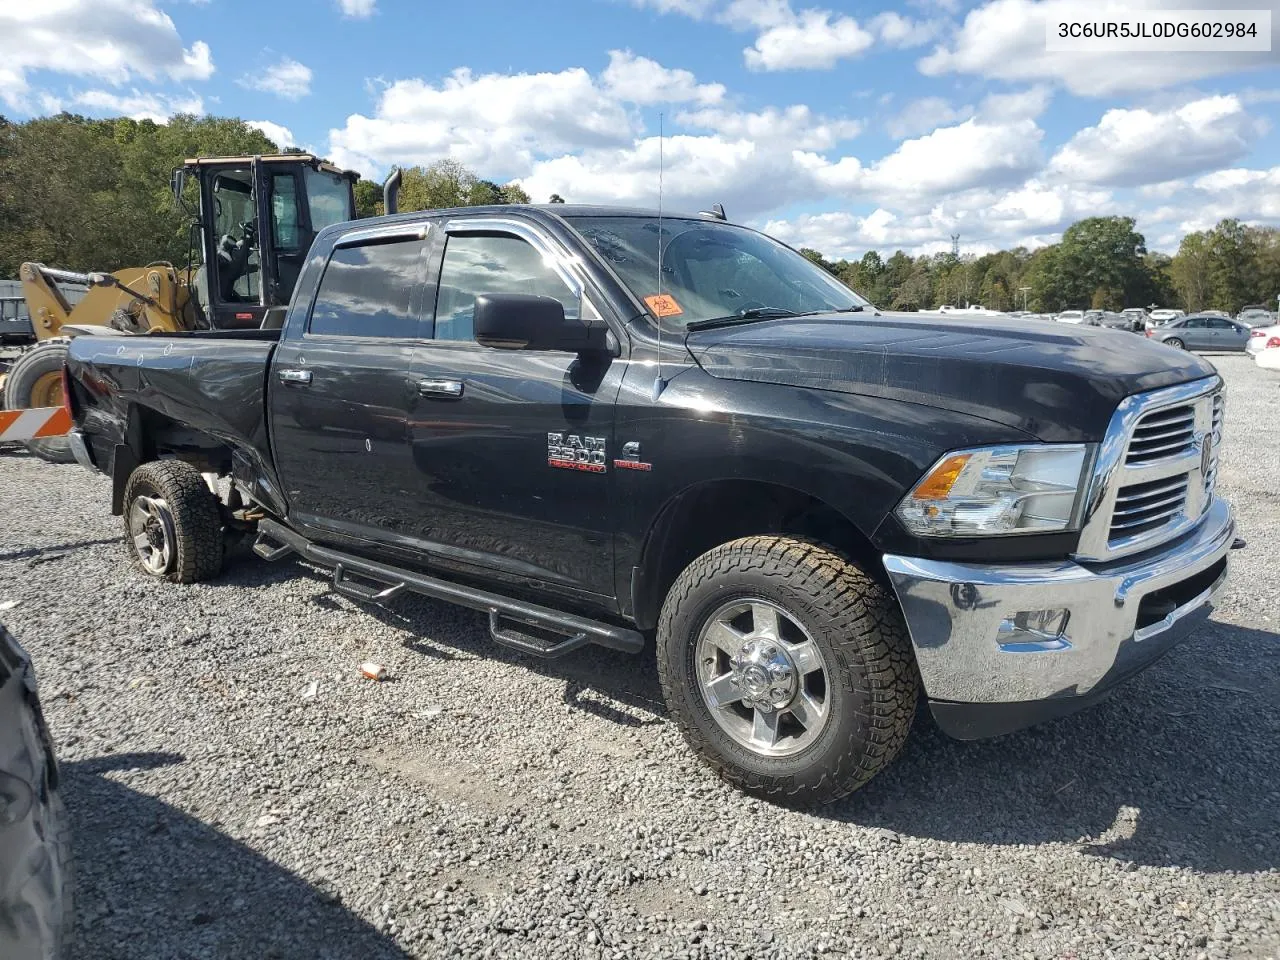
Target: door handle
(440,388)
(295,376)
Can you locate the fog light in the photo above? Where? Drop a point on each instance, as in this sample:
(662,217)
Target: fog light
(1034,631)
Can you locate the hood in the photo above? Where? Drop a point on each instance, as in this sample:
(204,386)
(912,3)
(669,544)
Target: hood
(1055,382)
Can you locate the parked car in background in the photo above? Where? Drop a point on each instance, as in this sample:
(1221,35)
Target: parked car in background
(1260,337)
(1137,318)
(1070,316)
(1203,332)
(1115,321)
(1268,357)
(1256,317)
(1164,316)
(35,844)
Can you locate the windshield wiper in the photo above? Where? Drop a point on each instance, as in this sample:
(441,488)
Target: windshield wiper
(856,308)
(742,316)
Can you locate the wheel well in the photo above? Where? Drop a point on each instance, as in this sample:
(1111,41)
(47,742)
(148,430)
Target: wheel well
(715,512)
(154,436)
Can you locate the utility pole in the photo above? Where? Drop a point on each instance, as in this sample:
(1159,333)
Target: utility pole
(955,244)
(1025,291)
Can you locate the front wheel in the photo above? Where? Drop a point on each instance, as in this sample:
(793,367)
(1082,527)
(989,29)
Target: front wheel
(786,668)
(1175,343)
(172,522)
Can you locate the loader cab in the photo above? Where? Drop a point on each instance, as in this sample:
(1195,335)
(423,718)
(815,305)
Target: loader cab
(256,218)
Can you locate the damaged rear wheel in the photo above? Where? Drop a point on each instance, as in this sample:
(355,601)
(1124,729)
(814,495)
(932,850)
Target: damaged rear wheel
(172,522)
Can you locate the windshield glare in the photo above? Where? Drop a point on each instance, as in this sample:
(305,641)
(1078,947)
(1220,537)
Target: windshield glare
(711,270)
(329,199)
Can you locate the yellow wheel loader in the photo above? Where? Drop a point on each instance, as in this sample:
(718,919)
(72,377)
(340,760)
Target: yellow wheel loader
(250,232)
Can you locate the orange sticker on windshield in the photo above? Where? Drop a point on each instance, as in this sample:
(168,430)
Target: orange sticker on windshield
(663,305)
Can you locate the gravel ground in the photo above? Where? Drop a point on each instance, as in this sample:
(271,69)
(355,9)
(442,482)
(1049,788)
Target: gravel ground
(239,791)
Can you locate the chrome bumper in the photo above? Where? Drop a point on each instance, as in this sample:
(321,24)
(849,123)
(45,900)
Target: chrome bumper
(960,616)
(80,450)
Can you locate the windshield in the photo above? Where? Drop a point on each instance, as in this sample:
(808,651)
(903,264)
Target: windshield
(329,198)
(712,270)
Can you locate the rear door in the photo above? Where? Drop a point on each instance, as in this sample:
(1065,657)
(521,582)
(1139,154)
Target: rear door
(341,391)
(1194,332)
(488,428)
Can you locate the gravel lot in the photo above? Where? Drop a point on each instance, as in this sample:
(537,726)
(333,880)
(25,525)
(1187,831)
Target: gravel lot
(239,791)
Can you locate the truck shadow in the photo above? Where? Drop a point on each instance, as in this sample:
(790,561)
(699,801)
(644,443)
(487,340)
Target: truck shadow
(168,885)
(1138,778)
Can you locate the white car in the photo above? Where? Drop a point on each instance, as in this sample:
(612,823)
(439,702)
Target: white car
(1070,316)
(1259,337)
(1269,356)
(1157,317)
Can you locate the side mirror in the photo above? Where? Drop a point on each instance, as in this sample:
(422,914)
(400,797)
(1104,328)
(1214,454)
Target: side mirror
(517,321)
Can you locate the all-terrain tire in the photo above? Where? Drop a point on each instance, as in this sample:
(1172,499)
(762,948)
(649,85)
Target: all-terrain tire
(196,521)
(859,629)
(44,361)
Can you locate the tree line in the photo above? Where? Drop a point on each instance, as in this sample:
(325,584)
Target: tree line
(84,194)
(87,194)
(1101,263)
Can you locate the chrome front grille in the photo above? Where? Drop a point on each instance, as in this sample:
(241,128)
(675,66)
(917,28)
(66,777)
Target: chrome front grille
(1162,434)
(1141,507)
(1156,470)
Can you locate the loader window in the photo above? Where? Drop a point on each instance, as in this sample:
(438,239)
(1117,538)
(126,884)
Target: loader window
(235,227)
(329,199)
(285,229)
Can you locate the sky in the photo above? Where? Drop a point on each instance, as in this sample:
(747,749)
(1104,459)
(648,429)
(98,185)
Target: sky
(843,127)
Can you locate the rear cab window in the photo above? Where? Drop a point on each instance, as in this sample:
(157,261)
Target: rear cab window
(372,289)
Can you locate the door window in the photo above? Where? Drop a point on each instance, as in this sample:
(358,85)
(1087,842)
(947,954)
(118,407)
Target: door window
(235,223)
(478,264)
(1219,324)
(1196,323)
(374,290)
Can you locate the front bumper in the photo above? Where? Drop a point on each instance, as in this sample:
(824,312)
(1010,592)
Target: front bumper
(984,678)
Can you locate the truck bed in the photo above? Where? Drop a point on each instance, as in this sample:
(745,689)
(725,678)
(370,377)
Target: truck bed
(213,382)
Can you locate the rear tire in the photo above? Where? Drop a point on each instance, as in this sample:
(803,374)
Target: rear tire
(172,522)
(1175,343)
(823,647)
(36,381)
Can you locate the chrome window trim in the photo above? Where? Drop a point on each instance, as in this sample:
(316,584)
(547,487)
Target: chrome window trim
(1111,474)
(399,231)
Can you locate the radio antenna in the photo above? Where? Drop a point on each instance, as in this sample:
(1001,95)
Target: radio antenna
(659,384)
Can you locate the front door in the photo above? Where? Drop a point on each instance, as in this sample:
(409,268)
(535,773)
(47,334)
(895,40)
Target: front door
(340,394)
(513,447)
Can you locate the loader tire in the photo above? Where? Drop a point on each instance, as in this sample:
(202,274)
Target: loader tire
(172,522)
(787,668)
(36,381)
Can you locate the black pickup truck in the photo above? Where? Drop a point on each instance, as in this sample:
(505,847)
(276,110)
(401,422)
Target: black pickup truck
(606,426)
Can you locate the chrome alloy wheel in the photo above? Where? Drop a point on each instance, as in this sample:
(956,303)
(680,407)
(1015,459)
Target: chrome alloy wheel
(763,677)
(151,524)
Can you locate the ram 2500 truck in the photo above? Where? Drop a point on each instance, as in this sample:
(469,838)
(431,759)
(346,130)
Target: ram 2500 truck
(606,426)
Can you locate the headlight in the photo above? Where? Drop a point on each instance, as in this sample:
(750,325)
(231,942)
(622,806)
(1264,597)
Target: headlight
(994,491)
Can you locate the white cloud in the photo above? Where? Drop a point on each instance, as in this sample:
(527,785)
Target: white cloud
(1030,215)
(813,40)
(139,105)
(971,154)
(895,30)
(641,80)
(698,171)
(1005,39)
(924,115)
(498,123)
(1134,147)
(280,135)
(1022,104)
(288,79)
(795,126)
(113,41)
(697,9)
(357,9)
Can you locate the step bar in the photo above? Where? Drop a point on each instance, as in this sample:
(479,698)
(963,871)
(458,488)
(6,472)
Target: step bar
(276,541)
